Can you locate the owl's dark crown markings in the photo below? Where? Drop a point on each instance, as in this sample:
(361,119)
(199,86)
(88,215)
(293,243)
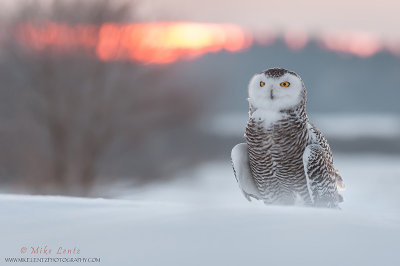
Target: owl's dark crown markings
(277,72)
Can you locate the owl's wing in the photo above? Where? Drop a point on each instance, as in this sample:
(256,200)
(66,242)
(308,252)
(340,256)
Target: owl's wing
(321,177)
(241,169)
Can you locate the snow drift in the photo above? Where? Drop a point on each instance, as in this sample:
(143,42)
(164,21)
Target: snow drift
(203,219)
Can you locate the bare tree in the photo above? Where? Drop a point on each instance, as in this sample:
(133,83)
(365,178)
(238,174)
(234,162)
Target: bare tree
(74,108)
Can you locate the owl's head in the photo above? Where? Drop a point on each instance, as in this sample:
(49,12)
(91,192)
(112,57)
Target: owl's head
(276,89)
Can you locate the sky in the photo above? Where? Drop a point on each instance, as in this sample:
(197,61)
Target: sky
(377,18)
(356,27)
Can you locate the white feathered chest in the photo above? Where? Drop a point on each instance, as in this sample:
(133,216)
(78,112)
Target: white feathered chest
(276,156)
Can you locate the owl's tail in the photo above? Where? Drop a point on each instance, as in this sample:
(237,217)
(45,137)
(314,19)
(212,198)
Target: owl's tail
(339,181)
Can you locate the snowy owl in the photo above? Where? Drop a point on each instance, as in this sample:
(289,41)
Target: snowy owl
(286,159)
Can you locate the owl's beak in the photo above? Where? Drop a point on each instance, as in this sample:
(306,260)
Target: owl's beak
(272,94)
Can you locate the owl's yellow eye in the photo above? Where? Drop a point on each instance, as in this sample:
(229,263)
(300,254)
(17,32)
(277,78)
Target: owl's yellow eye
(285,84)
(262,83)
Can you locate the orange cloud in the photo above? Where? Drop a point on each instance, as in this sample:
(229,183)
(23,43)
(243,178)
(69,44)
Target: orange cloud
(144,42)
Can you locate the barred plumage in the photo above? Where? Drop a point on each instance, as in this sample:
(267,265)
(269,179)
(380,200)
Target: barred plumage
(288,158)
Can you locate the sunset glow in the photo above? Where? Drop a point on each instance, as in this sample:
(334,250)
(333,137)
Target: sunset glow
(296,40)
(166,42)
(145,42)
(360,44)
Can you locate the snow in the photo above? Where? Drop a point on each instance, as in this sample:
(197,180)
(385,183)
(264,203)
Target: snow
(359,125)
(338,125)
(202,218)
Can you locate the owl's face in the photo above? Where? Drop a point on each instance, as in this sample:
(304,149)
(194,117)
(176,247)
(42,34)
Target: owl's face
(276,89)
